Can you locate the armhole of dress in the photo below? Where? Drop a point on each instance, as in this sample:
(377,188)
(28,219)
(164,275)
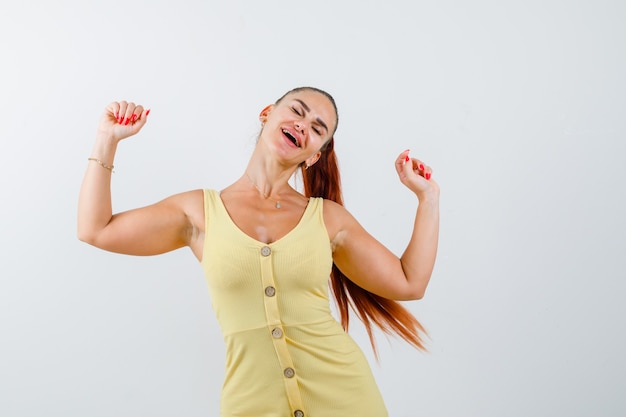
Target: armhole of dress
(205,207)
(321,217)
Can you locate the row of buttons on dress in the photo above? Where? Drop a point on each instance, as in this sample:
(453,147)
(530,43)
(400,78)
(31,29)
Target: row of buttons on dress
(269,290)
(277,333)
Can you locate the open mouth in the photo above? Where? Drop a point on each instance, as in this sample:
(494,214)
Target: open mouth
(291,138)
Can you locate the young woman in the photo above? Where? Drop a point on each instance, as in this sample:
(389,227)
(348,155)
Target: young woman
(268,251)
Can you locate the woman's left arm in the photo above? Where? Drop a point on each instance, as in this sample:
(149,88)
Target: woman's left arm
(369,264)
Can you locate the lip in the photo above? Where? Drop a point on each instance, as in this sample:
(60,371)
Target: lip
(293,133)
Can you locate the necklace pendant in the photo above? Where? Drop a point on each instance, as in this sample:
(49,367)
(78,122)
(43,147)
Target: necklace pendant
(278,204)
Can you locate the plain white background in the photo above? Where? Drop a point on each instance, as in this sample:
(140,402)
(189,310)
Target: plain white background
(519,107)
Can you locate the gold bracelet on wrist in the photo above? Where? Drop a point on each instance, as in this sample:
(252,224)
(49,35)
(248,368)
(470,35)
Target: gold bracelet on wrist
(102,164)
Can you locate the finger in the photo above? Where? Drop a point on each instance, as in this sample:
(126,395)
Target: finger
(113,109)
(412,168)
(428,172)
(128,114)
(144,115)
(122,111)
(136,114)
(141,120)
(418,166)
(402,159)
(422,169)
(109,112)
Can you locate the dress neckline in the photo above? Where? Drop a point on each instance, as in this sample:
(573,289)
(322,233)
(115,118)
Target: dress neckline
(304,215)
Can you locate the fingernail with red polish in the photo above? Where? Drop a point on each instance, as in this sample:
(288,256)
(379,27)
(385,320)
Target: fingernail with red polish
(126,121)
(407,157)
(427,175)
(147,112)
(132,119)
(421,167)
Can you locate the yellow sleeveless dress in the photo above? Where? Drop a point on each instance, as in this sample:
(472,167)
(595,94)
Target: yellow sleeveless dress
(286,355)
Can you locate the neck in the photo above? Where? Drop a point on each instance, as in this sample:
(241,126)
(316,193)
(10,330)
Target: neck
(269,176)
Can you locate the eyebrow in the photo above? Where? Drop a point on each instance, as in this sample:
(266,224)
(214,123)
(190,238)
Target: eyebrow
(307,109)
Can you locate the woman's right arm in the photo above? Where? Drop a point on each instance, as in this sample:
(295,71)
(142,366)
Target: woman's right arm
(151,230)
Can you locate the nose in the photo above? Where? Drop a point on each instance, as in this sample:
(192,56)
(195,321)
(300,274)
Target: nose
(300,125)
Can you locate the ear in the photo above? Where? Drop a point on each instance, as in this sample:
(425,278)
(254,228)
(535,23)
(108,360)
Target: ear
(265,112)
(313,159)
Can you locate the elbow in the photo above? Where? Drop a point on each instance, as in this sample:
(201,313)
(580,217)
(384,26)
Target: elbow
(410,294)
(85,236)
(88,232)
(415,290)
(416,294)
(415,284)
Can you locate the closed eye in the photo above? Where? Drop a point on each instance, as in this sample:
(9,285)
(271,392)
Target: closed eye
(300,113)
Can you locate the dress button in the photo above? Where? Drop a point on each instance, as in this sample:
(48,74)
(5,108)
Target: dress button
(277,333)
(270,291)
(289,372)
(298,413)
(266,251)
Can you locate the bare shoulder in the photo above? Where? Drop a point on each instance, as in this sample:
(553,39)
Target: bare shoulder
(337,220)
(192,204)
(192,197)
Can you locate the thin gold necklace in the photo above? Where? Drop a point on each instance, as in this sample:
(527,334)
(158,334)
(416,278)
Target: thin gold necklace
(266,196)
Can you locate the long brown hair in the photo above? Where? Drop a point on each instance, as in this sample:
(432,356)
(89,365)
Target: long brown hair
(323,180)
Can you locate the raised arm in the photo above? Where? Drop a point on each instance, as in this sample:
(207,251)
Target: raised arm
(145,231)
(370,264)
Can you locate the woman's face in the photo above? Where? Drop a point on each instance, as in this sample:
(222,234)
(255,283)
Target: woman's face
(299,125)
